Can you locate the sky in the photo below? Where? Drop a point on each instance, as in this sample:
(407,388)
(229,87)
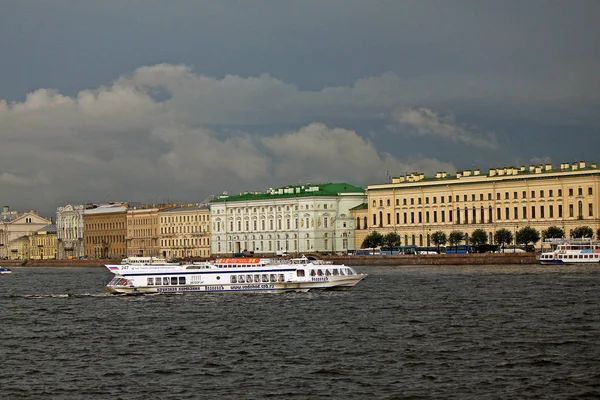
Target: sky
(158,101)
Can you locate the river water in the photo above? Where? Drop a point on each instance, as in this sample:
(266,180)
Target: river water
(407,332)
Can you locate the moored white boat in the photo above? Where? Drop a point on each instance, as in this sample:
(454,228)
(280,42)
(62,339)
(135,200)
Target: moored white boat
(232,275)
(571,251)
(5,270)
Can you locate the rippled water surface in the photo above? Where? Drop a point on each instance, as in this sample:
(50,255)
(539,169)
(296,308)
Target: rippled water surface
(495,332)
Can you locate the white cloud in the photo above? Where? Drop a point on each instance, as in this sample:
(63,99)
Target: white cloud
(426,122)
(147,138)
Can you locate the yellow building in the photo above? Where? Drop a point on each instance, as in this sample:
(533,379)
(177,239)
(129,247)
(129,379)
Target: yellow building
(143,231)
(185,232)
(105,229)
(43,244)
(19,248)
(511,198)
(360,216)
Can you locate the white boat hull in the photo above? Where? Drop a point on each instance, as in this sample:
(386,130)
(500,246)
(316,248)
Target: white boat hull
(232,276)
(344,284)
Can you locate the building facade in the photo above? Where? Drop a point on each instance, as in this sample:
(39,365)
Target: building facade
(293,219)
(143,231)
(43,244)
(18,230)
(69,230)
(185,231)
(105,229)
(510,198)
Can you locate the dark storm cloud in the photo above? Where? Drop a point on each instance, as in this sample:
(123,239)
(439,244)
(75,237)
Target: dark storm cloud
(139,98)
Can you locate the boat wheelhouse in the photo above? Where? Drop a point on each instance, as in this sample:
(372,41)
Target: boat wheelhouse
(571,251)
(138,260)
(233,275)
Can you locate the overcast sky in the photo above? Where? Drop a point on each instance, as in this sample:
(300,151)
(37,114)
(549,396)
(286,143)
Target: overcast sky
(155,101)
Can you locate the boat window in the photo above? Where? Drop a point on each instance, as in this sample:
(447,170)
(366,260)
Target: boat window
(280,278)
(265,278)
(166,281)
(256,278)
(273,278)
(233,279)
(313,272)
(174,280)
(150,281)
(249,278)
(335,271)
(299,272)
(182,280)
(327,272)
(342,271)
(241,279)
(319,272)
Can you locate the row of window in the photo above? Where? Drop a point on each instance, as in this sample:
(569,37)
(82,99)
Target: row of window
(477,215)
(166,280)
(184,229)
(185,218)
(271,208)
(102,226)
(473,197)
(325,272)
(142,221)
(302,223)
(256,278)
(184,242)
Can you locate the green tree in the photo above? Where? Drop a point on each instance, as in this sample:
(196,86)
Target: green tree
(373,240)
(455,238)
(503,237)
(479,237)
(391,239)
(598,234)
(439,239)
(553,232)
(527,235)
(583,232)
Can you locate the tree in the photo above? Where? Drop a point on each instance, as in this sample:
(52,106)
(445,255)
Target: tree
(439,239)
(455,238)
(391,239)
(527,235)
(583,232)
(503,237)
(553,232)
(373,240)
(598,234)
(479,237)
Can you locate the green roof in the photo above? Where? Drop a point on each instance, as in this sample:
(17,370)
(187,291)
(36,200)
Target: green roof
(363,206)
(307,190)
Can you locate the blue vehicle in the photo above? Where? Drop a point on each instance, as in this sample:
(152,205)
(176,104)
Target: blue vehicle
(460,249)
(395,250)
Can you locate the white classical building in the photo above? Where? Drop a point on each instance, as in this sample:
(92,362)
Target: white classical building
(294,219)
(69,230)
(16,228)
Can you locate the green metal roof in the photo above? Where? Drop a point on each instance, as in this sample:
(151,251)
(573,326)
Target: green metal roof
(363,206)
(307,190)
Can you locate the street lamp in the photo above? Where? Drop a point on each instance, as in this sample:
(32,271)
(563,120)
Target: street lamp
(515,240)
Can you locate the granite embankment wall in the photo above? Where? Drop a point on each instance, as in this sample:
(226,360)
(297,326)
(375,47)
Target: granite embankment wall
(439,259)
(56,263)
(429,259)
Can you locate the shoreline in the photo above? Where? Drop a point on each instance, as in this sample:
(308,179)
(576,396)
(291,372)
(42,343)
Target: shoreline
(426,259)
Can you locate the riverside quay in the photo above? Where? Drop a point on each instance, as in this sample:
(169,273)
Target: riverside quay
(311,218)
